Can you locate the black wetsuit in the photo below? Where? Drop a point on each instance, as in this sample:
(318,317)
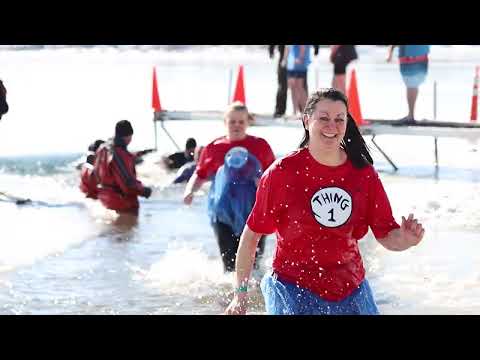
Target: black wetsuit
(179,159)
(281,99)
(228,245)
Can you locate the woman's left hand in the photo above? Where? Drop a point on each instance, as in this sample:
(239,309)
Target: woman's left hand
(411,231)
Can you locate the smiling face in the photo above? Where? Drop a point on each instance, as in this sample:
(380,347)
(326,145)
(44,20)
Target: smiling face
(327,124)
(236,123)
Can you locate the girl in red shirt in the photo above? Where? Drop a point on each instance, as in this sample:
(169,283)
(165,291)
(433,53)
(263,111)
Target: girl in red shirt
(320,200)
(213,157)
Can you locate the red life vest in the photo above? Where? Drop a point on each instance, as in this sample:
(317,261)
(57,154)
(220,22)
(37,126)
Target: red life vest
(118,185)
(88,181)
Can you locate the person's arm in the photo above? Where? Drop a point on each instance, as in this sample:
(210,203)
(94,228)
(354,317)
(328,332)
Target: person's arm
(390,52)
(193,185)
(409,234)
(243,268)
(271,50)
(333,51)
(285,56)
(184,173)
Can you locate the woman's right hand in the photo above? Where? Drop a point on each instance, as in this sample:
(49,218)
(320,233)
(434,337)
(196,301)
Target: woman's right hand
(238,306)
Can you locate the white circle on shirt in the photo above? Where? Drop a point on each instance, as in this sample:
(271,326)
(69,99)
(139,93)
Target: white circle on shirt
(331,206)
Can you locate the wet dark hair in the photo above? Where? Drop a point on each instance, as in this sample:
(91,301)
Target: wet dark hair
(353,142)
(191,143)
(123,128)
(95,145)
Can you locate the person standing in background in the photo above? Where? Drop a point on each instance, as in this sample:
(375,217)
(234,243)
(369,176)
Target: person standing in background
(297,59)
(282,88)
(340,57)
(413,67)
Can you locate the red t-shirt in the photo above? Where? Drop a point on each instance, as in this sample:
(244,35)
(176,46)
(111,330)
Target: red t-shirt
(213,155)
(319,213)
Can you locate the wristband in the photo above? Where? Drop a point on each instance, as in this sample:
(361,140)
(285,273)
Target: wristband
(241,289)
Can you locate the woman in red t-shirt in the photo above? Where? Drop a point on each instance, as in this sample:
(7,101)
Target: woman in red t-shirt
(320,200)
(212,158)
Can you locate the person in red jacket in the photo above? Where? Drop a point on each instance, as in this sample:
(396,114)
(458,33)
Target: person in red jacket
(320,200)
(119,187)
(88,179)
(231,197)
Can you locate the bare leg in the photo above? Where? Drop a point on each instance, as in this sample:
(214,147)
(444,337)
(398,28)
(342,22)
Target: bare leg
(300,89)
(412,94)
(293,94)
(302,98)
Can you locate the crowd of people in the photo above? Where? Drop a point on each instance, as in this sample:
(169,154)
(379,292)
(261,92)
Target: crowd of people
(294,61)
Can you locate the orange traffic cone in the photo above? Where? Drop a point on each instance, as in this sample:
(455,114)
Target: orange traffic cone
(354,100)
(474,111)
(155,97)
(239,94)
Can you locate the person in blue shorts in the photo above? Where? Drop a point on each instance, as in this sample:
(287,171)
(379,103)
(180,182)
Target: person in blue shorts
(281,96)
(413,61)
(296,60)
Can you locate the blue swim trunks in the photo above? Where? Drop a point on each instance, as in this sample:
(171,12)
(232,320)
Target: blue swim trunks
(414,74)
(283,298)
(296,74)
